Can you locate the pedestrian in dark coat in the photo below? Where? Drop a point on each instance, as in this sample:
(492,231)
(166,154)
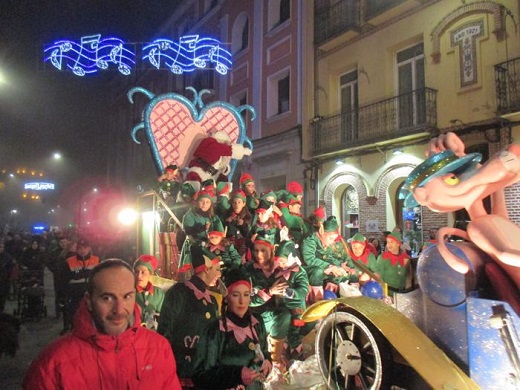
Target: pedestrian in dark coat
(187,310)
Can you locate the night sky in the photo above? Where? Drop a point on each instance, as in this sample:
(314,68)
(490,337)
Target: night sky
(42,111)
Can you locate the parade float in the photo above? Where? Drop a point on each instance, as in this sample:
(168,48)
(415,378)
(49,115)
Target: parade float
(458,329)
(204,142)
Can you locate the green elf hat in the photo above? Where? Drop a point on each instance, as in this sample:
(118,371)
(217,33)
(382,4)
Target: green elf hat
(358,237)
(207,192)
(291,199)
(437,165)
(188,190)
(171,167)
(147,261)
(330,225)
(285,249)
(217,228)
(265,239)
(395,236)
(264,206)
(269,194)
(202,259)
(223,187)
(245,179)
(238,194)
(237,277)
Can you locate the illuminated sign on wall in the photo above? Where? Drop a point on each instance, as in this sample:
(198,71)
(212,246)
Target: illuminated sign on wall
(39,186)
(93,54)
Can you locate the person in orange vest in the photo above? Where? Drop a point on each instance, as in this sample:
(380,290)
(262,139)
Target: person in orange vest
(77,270)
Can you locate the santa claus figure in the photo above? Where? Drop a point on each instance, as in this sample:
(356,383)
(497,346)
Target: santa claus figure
(211,159)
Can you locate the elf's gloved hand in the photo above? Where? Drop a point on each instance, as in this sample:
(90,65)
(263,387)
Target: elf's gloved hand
(249,375)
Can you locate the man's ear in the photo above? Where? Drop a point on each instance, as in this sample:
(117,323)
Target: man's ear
(89,303)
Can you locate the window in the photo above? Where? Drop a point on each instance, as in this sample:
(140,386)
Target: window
(240,99)
(283,95)
(278,93)
(240,34)
(349,106)
(410,74)
(285,11)
(279,11)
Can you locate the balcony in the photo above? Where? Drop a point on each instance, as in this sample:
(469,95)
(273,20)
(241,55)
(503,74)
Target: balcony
(331,21)
(377,7)
(507,84)
(408,116)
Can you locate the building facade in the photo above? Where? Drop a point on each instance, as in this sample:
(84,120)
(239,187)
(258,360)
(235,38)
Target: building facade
(390,75)
(267,41)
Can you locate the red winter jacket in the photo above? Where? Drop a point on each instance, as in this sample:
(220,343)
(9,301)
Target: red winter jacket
(136,359)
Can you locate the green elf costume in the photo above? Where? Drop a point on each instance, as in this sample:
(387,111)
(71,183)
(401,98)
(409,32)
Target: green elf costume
(393,265)
(359,251)
(289,269)
(247,183)
(196,224)
(149,298)
(187,311)
(267,300)
(238,221)
(233,353)
(220,246)
(293,219)
(327,263)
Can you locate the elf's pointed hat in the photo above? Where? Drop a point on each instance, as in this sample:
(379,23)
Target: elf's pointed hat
(147,261)
(202,259)
(236,277)
(330,225)
(246,178)
(358,237)
(217,228)
(395,236)
(264,238)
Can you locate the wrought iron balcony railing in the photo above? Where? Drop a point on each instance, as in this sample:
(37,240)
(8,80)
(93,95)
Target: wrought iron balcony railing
(375,7)
(507,84)
(400,116)
(333,20)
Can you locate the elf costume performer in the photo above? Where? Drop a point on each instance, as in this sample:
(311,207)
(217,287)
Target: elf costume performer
(289,269)
(148,297)
(247,183)
(360,251)
(233,353)
(196,224)
(273,298)
(325,260)
(220,246)
(293,219)
(238,220)
(393,265)
(188,309)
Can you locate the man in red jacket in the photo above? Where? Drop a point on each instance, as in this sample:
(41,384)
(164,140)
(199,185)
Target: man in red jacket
(107,348)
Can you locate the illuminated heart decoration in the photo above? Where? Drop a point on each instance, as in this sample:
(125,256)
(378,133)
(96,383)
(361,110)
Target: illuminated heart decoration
(174,126)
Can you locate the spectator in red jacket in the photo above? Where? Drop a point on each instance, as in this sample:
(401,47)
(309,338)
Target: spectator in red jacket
(107,349)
